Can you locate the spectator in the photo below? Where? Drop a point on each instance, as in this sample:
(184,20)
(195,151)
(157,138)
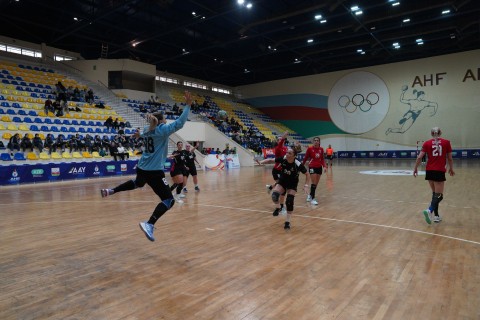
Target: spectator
(37,142)
(14,142)
(26,143)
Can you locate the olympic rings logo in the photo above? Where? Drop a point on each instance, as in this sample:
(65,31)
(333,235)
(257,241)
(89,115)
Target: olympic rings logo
(358,101)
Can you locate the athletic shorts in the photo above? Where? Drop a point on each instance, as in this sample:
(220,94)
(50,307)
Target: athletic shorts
(434,175)
(276,174)
(329,157)
(192,170)
(178,171)
(315,170)
(156,180)
(288,184)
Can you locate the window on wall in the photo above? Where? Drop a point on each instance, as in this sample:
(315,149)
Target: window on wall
(59,57)
(195,85)
(216,89)
(166,79)
(20,50)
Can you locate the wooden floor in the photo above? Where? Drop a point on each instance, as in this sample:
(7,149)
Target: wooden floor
(365,252)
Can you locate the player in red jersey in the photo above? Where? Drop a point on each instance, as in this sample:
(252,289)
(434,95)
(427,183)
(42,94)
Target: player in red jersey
(280,151)
(314,156)
(439,151)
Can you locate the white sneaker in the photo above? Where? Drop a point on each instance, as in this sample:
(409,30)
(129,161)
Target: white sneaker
(428,216)
(178,199)
(268,188)
(314,202)
(437,219)
(309,198)
(283,212)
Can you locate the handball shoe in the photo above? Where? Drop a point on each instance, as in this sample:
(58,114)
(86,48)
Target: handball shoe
(314,202)
(147,228)
(185,190)
(428,216)
(437,219)
(105,193)
(276,212)
(283,211)
(197,188)
(287,225)
(269,188)
(309,198)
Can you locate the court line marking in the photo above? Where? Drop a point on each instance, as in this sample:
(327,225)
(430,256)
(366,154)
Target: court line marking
(265,211)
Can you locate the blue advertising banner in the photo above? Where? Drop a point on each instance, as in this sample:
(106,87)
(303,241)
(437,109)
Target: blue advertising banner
(29,173)
(403,154)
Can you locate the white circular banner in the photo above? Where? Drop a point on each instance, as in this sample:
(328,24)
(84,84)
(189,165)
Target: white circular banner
(392,172)
(358,102)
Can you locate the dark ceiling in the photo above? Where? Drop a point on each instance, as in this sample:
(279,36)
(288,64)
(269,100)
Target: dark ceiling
(228,44)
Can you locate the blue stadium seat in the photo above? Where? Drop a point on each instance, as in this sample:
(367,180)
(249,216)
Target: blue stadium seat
(16,105)
(81,129)
(11,111)
(45,128)
(19,156)
(2,112)
(66,122)
(22,112)
(32,113)
(57,121)
(90,130)
(48,121)
(54,129)
(63,129)
(98,130)
(72,129)
(91,123)
(6,157)
(34,128)
(27,120)
(38,120)
(5,104)
(75,122)
(83,123)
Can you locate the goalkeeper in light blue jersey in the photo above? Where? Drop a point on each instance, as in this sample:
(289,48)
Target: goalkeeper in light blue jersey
(151,164)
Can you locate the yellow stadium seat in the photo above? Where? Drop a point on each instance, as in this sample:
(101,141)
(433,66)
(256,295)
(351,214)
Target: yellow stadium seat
(12,127)
(23,127)
(41,114)
(56,156)
(7,135)
(32,156)
(95,154)
(77,116)
(86,154)
(2,127)
(84,116)
(30,135)
(66,155)
(45,156)
(77,155)
(42,136)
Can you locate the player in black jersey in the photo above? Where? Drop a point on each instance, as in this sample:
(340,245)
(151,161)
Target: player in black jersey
(177,171)
(191,169)
(290,169)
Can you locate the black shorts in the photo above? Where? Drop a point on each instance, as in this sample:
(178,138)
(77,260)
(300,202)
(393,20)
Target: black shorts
(192,170)
(288,184)
(156,180)
(315,170)
(177,171)
(434,175)
(329,157)
(276,174)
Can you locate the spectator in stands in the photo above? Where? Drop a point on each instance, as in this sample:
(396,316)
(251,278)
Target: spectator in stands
(90,97)
(26,143)
(48,106)
(100,105)
(105,142)
(14,142)
(113,150)
(218,151)
(121,152)
(60,143)
(37,142)
(116,124)
(73,143)
(61,92)
(88,143)
(97,143)
(49,143)
(109,122)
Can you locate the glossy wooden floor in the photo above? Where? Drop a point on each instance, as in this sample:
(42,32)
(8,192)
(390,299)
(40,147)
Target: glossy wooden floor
(364,253)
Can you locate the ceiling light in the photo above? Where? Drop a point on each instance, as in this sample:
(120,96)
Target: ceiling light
(323,21)
(193,13)
(240,2)
(420,43)
(419,40)
(358,12)
(406,20)
(395,4)
(318,17)
(395,44)
(372,28)
(75,18)
(310,40)
(445,11)
(246,70)
(249,5)
(359,50)
(297,61)
(354,8)
(363,52)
